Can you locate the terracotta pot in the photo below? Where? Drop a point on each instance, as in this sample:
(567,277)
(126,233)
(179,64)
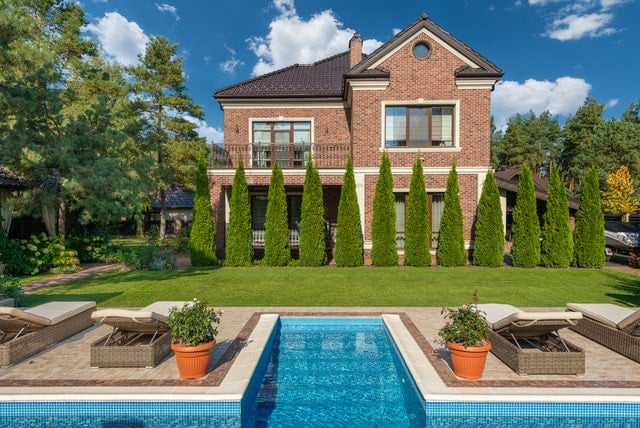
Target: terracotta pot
(468,362)
(193,361)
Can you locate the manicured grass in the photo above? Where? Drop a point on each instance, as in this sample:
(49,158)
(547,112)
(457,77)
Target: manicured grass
(366,286)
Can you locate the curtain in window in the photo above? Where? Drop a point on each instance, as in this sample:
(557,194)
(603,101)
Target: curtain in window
(400,218)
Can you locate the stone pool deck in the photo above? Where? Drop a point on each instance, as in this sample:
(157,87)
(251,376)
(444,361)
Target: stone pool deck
(64,369)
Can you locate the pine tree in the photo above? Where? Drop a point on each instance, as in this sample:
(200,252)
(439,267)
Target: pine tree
(556,248)
(525,229)
(589,239)
(418,230)
(312,223)
(276,228)
(451,250)
(489,228)
(239,247)
(384,251)
(202,239)
(348,247)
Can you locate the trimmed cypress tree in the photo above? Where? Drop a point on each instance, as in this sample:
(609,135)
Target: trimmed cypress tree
(489,229)
(239,247)
(348,247)
(276,227)
(384,251)
(589,240)
(418,231)
(556,248)
(202,239)
(312,226)
(451,243)
(525,230)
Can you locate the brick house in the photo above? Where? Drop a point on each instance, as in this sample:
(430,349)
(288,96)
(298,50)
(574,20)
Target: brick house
(422,93)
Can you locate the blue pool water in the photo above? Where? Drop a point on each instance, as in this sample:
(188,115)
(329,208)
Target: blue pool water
(336,372)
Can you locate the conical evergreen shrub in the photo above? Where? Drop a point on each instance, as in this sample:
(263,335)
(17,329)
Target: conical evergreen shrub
(384,251)
(276,227)
(417,242)
(589,239)
(312,223)
(556,248)
(525,230)
(348,246)
(489,229)
(239,246)
(202,239)
(451,250)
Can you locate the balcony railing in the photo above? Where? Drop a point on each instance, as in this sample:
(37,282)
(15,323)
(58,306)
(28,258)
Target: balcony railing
(262,155)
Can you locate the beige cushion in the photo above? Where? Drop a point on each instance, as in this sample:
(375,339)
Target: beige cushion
(499,316)
(607,313)
(157,311)
(48,313)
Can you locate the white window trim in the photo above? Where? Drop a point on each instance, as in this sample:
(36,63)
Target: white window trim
(421,102)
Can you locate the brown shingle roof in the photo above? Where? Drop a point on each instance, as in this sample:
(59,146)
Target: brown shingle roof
(11,181)
(508,180)
(320,79)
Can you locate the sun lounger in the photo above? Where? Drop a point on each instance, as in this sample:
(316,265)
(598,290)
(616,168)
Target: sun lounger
(24,332)
(139,338)
(616,327)
(530,342)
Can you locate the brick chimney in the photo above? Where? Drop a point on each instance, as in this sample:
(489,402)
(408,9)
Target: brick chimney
(355,50)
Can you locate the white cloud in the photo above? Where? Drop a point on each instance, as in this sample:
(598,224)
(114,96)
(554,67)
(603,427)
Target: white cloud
(561,97)
(229,66)
(209,133)
(612,102)
(121,40)
(293,40)
(574,27)
(164,7)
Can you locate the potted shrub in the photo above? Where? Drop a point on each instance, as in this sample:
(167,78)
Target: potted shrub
(193,336)
(467,336)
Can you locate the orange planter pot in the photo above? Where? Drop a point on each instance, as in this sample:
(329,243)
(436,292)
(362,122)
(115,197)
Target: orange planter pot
(468,362)
(193,361)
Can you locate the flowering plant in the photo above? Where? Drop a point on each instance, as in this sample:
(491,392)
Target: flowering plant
(193,324)
(466,326)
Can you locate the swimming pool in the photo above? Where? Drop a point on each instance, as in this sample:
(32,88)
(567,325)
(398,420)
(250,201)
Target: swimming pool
(335,372)
(443,408)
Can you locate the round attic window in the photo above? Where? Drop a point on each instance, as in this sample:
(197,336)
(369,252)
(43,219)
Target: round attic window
(421,50)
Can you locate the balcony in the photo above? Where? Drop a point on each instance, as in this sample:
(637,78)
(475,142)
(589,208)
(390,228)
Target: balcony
(262,155)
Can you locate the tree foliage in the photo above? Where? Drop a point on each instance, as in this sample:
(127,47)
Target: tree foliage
(525,230)
(239,244)
(276,227)
(451,250)
(418,230)
(202,240)
(312,222)
(619,196)
(556,248)
(488,249)
(384,251)
(589,239)
(348,246)
(161,98)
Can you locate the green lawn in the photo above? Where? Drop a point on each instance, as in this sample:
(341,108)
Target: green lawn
(365,286)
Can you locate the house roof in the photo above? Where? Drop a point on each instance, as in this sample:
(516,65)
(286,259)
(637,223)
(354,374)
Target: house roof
(325,78)
(10,181)
(177,198)
(508,180)
(320,79)
(481,68)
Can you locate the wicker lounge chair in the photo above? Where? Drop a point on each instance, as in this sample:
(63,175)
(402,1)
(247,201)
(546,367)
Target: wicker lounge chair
(139,338)
(530,343)
(24,332)
(616,327)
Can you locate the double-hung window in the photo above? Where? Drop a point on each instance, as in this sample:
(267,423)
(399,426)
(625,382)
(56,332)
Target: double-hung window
(436,208)
(419,126)
(286,142)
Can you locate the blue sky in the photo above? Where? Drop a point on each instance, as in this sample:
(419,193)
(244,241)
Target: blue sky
(554,53)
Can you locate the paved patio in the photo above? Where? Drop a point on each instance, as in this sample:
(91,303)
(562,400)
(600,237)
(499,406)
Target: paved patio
(65,368)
